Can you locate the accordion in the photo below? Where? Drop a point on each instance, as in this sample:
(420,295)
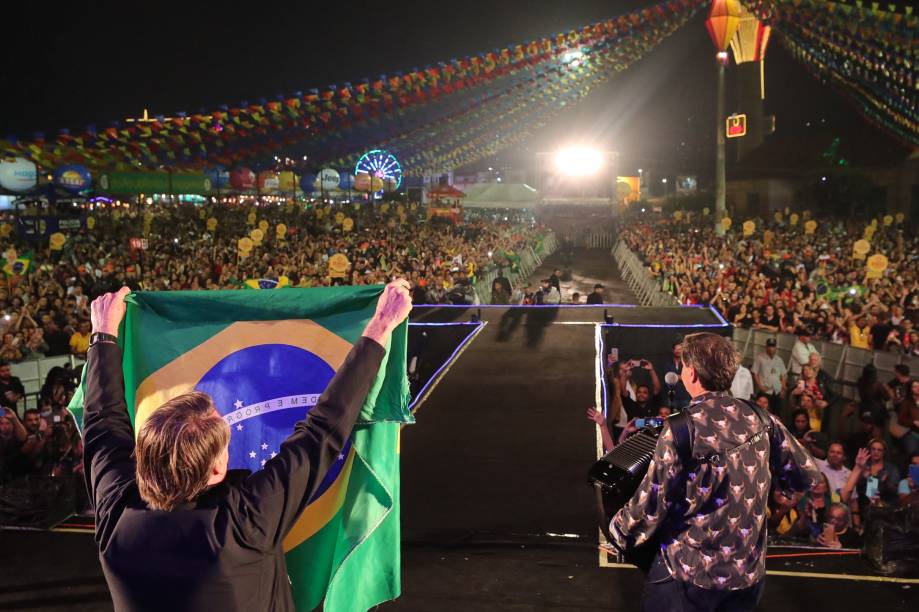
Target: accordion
(615,479)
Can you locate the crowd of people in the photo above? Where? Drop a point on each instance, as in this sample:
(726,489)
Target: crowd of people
(783,279)
(45,311)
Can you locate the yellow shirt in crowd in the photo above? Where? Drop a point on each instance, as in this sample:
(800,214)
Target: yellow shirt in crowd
(858,338)
(79,343)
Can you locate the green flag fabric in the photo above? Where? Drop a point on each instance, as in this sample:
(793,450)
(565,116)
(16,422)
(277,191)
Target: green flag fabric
(265,356)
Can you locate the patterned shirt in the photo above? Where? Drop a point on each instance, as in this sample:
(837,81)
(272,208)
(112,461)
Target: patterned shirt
(711,516)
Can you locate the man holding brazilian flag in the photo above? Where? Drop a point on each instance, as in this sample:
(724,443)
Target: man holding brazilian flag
(241,447)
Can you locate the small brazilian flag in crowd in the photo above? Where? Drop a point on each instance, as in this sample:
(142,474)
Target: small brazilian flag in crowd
(258,348)
(18,266)
(266,283)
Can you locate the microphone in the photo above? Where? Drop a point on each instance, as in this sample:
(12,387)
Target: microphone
(671,378)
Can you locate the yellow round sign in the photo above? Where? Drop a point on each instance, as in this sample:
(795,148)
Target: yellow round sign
(263,225)
(347,224)
(339,217)
(877,263)
(778,216)
(90,222)
(212,224)
(56,241)
(257,235)
(861,247)
(244,245)
(748,228)
(5,229)
(768,236)
(705,211)
(339,265)
(376,184)
(793,219)
(869,232)
(202,213)
(888,220)
(251,218)
(678,214)
(810,227)
(726,223)
(874,222)
(899,217)
(281,230)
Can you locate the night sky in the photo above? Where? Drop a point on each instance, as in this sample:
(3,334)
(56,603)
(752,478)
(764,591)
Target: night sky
(94,62)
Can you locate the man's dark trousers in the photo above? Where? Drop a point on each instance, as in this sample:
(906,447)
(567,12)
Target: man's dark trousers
(663,592)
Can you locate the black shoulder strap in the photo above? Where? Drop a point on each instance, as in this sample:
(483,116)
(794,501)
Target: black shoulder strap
(682,436)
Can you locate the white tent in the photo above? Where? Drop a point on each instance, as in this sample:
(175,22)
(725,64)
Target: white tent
(501,195)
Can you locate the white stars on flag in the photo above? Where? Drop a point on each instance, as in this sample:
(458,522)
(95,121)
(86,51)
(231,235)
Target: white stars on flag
(264,461)
(239,427)
(238,404)
(273,454)
(341,456)
(264,446)
(251,454)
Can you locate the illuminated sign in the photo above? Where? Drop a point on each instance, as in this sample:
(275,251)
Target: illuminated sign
(736,126)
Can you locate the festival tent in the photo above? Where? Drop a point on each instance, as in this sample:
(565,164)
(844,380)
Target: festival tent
(501,195)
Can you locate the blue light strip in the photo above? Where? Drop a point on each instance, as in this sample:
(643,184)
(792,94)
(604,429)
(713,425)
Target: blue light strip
(718,314)
(441,324)
(668,325)
(436,377)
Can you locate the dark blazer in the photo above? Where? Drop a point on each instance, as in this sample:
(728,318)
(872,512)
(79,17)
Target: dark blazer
(223,551)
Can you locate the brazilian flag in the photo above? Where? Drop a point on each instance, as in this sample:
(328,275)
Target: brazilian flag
(266,283)
(277,351)
(18,266)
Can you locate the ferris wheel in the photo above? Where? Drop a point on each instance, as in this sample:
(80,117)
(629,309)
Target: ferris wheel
(381,164)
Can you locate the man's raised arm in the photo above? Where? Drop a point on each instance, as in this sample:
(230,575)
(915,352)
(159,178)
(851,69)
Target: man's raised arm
(108,438)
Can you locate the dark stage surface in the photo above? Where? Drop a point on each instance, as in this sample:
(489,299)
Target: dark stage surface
(496,513)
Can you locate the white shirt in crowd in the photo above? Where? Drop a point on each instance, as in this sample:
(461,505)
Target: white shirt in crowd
(742,385)
(770,371)
(837,478)
(552,296)
(800,355)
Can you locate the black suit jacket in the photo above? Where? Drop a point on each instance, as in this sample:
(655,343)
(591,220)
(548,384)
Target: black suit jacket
(223,551)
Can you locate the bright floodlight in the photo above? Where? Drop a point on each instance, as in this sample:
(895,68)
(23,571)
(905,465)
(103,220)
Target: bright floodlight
(579,162)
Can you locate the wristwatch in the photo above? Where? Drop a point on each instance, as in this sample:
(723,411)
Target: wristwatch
(102,337)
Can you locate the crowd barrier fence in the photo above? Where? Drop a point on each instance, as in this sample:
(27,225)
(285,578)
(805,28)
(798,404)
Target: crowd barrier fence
(32,374)
(595,240)
(646,288)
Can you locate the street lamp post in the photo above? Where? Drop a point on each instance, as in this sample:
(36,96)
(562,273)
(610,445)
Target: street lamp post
(723,21)
(720,173)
